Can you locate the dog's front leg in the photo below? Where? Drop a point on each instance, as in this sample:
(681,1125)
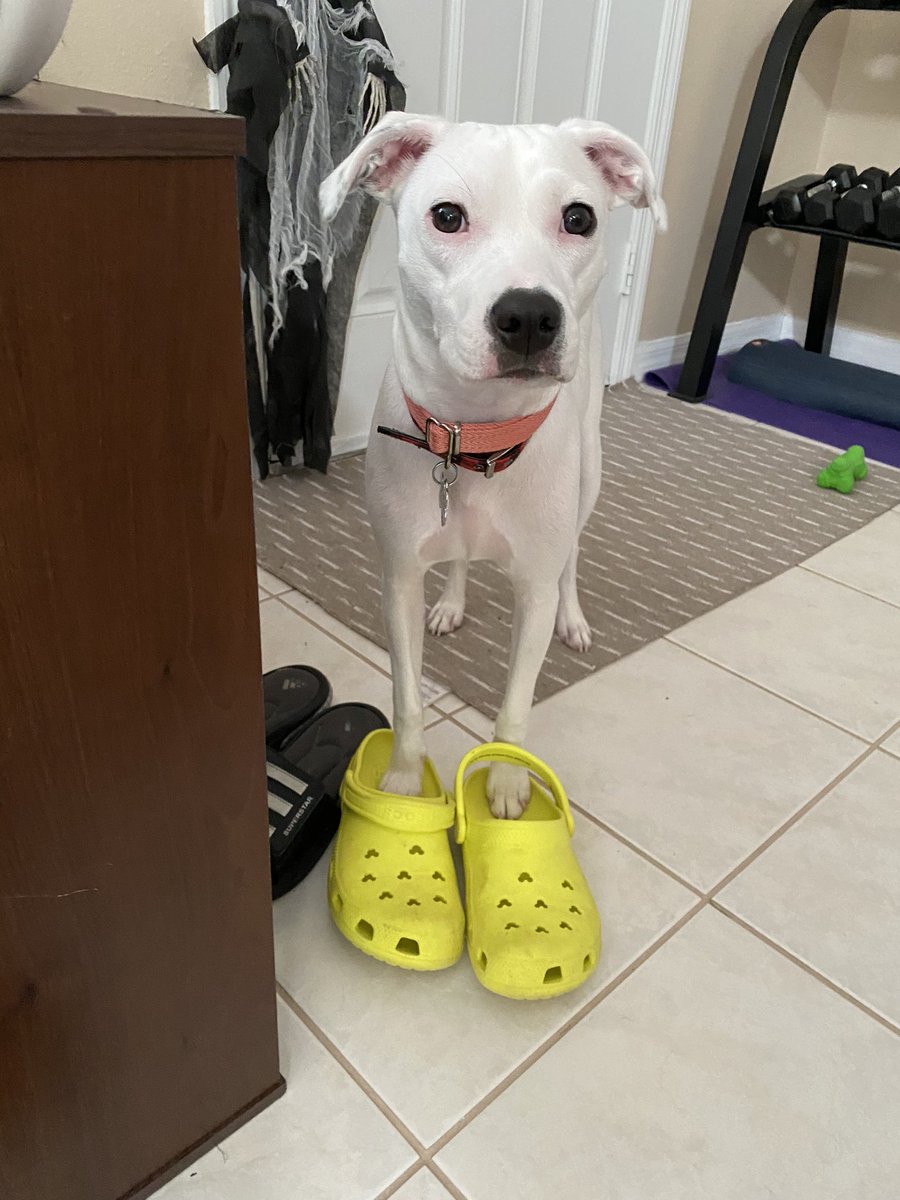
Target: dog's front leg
(535,612)
(404,610)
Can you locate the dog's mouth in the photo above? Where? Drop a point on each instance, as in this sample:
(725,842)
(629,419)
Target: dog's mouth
(523,373)
(545,367)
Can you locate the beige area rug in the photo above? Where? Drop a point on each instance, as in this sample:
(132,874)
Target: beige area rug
(696,507)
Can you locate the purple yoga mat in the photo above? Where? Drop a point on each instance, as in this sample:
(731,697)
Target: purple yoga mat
(881,443)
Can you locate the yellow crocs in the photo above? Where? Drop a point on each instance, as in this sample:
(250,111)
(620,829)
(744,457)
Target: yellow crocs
(391,884)
(533,927)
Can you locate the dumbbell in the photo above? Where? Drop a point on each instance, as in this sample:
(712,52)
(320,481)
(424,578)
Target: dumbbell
(818,202)
(856,211)
(889,209)
(788,207)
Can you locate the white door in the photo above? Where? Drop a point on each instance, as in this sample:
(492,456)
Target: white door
(522,61)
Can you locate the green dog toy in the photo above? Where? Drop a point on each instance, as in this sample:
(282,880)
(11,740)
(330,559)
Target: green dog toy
(843,472)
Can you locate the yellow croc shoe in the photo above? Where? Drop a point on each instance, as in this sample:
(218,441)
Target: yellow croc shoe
(391,884)
(533,927)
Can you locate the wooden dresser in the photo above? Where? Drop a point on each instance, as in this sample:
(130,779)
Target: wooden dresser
(137,991)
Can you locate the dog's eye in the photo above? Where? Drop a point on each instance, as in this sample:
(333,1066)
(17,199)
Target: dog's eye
(579,219)
(448,218)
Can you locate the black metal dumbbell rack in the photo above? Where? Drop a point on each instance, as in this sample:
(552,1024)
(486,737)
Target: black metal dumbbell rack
(744,213)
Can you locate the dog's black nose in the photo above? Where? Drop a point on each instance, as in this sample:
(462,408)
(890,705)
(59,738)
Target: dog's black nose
(526,321)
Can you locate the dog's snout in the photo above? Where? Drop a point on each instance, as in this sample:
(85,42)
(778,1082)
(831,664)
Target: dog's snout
(526,321)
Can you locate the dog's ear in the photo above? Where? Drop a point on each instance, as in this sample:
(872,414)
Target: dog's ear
(382,160)
(623,164)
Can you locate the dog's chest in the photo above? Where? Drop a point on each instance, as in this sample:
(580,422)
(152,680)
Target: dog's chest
(473,530)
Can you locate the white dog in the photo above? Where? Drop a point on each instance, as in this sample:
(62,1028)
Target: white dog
(501,232)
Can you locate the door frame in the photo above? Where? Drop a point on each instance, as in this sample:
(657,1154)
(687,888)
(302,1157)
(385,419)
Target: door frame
(657,138)
(215,13)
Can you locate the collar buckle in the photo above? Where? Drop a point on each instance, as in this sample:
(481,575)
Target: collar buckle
(490,463)
(454,438)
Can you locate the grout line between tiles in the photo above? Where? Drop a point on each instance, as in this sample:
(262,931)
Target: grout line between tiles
(465,728)
(805,966)
(636,849)
(425,1154)
(868,748)
(799,814)
(452,718)
(445,1181)
(393,1188)
(671,638)
(423,1164)
(286,587)
(359,1079)
(849,586)
(331,634)
(560,1033)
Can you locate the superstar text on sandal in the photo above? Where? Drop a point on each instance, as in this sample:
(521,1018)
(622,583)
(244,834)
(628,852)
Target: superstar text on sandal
(304,779)
(391,884)
(532,926)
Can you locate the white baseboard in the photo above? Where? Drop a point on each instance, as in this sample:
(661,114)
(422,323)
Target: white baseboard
(663,352)
(855,345)
(352,444)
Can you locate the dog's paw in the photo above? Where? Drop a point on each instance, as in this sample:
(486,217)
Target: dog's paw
(508,790)
(446,616)
(401,782)
(572,629)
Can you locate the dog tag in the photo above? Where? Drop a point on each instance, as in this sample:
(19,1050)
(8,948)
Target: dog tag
(444,475)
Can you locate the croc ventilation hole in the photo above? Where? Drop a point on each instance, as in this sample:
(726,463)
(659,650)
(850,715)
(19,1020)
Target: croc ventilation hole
(525,878)
(553,975)
(412,904)
(408,946)
(338,901)
(565,925)
(404,875)
(386,896)
(416,850)
(368,878)
(540,929)
(588,964)
(439,900)
(540,904)
(364,929)
(505,903)
(512,925)
(575,909)
(568,885)
(482,961)
(371,854)
(438,875)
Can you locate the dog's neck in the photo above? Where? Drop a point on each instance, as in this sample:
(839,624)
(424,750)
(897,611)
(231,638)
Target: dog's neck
(425,378)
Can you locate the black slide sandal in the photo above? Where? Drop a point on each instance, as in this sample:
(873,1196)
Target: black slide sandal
(292,695)
(304,779)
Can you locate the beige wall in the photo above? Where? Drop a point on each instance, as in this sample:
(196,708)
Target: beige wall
(863,127)
(727,40)
(134,47)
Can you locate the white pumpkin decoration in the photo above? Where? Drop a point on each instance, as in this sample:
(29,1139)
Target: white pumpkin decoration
(29,32)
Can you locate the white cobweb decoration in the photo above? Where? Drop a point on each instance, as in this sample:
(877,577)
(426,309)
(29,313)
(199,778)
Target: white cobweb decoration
(334,101)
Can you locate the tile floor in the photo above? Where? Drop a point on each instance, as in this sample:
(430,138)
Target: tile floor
(738,785)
